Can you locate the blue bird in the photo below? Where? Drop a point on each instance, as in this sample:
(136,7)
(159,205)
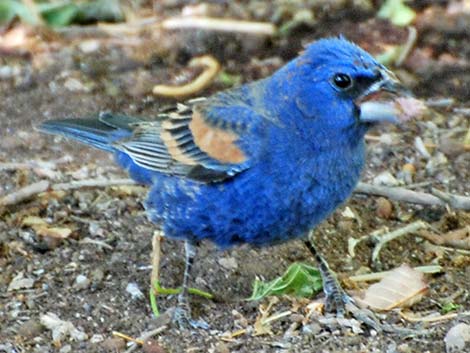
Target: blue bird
(262,163)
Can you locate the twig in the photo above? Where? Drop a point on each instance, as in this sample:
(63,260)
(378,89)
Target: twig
(463,111)
(379,275)
(24,193)
(408,46)
(399,194)
(406,195)
(41,168)
(101,183)
(433,318)
(459,239)
(156,253)
(96,242)
(410,228)
(211,68)
(275,317)
(219,24)
(43,186)
(142,339)
(454,201)
(439,102)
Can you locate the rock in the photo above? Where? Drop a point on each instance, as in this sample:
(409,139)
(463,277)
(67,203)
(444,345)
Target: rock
(75,85)
(457,338)
(20,282)
(114,344)
(66,349)
(89,46)
(97,338)
(133,289)
(96,276)
(385,178)
(221,347)
(311,329)
(229,263)
(384,208)
(30,329)
(81,282)
(152,346)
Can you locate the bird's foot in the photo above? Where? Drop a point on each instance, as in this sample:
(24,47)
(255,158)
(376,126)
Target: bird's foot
(340,303)
(181,316)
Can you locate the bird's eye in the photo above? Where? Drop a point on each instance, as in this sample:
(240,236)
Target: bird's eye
(342,81)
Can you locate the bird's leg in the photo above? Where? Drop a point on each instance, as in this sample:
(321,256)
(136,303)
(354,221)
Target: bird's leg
(336,298)
(190,254)
(182,313)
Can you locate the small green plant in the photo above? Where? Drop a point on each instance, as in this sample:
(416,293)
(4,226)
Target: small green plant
(300,280)
(397,12)
(60,13)
(449,307)
(157,289)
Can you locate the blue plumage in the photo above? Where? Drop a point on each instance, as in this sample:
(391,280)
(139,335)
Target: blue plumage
(259,164)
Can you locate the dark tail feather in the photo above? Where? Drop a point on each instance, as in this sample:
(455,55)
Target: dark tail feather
(99,132)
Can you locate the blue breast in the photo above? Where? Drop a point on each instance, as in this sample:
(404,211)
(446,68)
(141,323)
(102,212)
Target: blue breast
(274,201)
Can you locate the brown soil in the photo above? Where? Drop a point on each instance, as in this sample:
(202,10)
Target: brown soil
(57,78)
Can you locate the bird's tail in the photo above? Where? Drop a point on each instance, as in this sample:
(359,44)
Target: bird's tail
(99,132)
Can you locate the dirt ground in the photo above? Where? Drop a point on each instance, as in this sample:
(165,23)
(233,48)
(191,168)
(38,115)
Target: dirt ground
(85,277)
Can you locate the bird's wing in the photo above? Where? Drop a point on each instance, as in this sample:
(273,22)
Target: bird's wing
(185,142)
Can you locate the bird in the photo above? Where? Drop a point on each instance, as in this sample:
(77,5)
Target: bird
(262,163)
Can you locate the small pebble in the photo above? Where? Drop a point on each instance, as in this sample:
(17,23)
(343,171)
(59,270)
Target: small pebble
(74,85)
(152,346)
(133,289)
(384,208)
(89,46)
(221,347)
(114,344)
(30,329)
(385,178)
(96,338)
(97,276)
(229,263)
(458,338)
(81,282)
(312,329)
(66,349)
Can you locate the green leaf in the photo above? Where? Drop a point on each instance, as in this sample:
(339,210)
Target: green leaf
(397,12)
(300,280)
(450,306)
(229,80)
(59,15)
(9,9)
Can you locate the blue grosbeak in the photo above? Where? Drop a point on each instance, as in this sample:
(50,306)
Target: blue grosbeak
(260,164)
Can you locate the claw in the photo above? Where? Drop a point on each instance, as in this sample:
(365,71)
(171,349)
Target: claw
(182,319)
(338,301)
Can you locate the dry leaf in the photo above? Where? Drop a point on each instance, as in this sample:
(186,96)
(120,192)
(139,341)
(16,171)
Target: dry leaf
(401,287)
(61,329)
(20,282)
(261,326)
(42,228)
(33,221)
(53,232)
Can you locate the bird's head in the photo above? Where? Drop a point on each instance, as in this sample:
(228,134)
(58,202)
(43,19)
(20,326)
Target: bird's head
(338,87)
